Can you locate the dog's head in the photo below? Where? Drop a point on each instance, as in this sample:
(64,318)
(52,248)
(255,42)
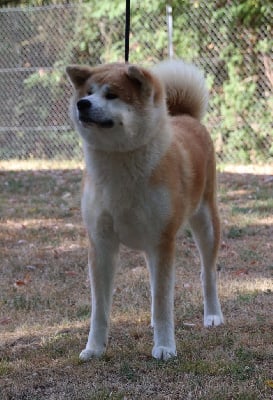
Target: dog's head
(116,107)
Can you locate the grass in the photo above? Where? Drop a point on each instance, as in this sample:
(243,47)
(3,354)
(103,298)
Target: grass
(44,298)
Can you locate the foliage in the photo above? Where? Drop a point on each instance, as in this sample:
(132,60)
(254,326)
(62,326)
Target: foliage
(241,102)
(34,3)
(231,41)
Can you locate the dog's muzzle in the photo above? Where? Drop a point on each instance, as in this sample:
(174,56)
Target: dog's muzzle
(92,115)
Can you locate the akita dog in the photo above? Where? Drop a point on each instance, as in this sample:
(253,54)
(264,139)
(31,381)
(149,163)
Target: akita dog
(150,167)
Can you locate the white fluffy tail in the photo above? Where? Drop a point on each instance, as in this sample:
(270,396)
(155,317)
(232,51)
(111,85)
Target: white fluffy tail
(185,85)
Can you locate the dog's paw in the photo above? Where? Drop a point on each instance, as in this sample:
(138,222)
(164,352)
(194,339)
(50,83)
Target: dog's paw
(213,320)
(164,353)
(87,354)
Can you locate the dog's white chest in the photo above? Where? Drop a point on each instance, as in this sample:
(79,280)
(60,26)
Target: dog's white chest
(140,216)
(132,228)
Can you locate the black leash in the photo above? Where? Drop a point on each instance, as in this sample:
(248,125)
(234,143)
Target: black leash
(127,30)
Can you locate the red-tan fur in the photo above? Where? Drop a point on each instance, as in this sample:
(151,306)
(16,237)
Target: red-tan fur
(196,174)
(150,168)
(125,87)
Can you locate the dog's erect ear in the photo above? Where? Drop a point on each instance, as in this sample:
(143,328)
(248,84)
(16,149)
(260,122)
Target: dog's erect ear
(78,74)
(142,77)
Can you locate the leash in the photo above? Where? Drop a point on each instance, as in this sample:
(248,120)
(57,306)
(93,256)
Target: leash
(127,30)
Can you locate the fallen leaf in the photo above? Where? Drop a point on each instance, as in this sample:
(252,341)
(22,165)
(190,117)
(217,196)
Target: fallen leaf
(71,273)
(66,195)
(188,324)
(22,241)
(22,282)
(187,285)
(5,321)
(240,272)
(19,282)
(269,383)
(69,225)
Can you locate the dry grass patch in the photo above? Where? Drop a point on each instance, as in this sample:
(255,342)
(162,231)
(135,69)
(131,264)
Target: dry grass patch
(44,300)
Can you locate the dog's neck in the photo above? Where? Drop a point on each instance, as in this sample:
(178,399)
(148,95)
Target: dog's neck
(139,163)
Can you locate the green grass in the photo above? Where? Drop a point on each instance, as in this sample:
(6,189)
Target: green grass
(5,368)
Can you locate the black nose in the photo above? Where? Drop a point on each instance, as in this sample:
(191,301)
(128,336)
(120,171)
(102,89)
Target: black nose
(84,104)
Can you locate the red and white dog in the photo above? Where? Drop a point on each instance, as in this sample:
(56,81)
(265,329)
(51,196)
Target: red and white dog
(150,167)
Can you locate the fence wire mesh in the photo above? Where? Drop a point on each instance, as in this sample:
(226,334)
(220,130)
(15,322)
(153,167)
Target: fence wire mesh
(36,43)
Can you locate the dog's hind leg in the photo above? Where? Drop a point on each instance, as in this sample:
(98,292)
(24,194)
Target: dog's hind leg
(205,226)
(161,267)
(102,262)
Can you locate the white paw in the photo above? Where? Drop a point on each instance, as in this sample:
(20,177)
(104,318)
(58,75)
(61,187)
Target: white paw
(213,320)
(163,353)
(87,354)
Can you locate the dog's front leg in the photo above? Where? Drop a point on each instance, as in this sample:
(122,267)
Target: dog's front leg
(162,274)
(102,262)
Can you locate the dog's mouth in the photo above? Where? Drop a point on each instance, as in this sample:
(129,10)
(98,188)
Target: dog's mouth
(104,123)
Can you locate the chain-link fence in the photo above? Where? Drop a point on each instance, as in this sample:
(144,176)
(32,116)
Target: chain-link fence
(36,43)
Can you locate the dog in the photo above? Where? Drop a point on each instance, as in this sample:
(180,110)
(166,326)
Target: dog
(150,168)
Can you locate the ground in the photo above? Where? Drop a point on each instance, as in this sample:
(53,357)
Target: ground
(44,298)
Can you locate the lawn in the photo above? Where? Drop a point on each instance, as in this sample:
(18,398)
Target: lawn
(44,298)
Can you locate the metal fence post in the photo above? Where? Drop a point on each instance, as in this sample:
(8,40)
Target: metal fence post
(169,15)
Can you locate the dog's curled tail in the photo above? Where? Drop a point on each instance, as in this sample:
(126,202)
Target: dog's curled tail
(185,85)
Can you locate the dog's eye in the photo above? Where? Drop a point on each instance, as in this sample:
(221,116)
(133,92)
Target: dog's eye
(90,92)
(110,96)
